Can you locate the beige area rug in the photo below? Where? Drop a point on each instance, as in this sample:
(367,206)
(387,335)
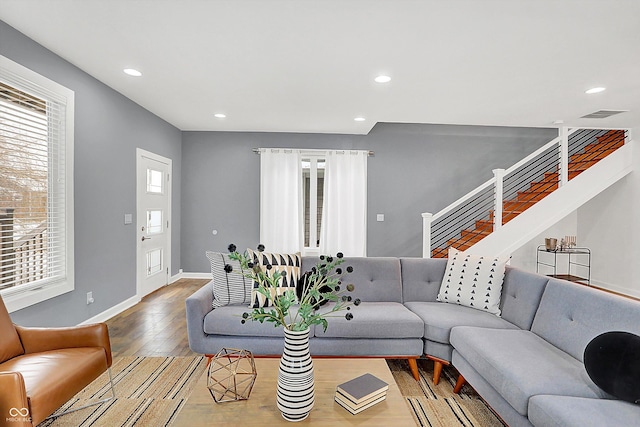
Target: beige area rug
(437,405)
(150,391)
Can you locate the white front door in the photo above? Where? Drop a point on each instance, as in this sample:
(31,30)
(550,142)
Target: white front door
(153,219)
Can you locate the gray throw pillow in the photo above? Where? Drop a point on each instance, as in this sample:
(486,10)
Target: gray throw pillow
(228,288)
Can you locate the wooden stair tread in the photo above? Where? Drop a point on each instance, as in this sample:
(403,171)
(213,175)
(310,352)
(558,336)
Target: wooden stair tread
(532,195)
(605,145)
(517,205)
(467,234)
(484,225)
(591,156)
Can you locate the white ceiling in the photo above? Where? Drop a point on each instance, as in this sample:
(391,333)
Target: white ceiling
(308,66)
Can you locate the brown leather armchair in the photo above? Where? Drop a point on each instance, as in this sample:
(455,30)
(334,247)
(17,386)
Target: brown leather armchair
(42,368)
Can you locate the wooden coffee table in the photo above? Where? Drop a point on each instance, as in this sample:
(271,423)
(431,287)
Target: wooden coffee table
(261,409)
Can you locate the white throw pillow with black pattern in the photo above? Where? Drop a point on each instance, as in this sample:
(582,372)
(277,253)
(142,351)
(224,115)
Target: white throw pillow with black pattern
(287,264)
(228,288)
(474,281)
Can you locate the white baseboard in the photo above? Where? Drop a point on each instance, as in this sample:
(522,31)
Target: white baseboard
(182,275)
(176,277)
(619,289)
(197,276)
(119,308)
(116,309)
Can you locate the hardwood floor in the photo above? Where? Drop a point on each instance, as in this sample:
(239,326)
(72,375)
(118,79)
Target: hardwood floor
(157,325)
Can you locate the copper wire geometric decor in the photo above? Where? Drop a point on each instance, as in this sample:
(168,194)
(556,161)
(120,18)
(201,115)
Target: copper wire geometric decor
(232,373)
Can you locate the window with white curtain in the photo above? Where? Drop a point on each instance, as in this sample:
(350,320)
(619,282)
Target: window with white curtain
(325,201)
(344,209)
(36,187)
(281,200)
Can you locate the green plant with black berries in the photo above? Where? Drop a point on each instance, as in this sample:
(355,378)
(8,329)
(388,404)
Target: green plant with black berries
(320,285)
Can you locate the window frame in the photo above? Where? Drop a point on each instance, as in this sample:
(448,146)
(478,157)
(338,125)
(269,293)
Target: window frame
(314,157)
(25,295)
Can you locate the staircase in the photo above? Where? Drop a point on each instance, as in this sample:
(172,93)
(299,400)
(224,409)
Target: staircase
(472,219)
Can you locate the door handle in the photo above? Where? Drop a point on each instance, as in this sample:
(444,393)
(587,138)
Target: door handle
(145,238)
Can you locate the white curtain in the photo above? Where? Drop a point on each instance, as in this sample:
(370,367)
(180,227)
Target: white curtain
(281,225)
(344,210)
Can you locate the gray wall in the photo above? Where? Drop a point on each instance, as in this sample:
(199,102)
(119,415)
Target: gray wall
(415,169)
(108,128)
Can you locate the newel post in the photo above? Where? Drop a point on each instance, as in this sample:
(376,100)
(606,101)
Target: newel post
(564,156)
(426,234)
(498,174)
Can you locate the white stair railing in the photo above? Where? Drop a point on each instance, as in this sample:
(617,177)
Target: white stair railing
(550,162)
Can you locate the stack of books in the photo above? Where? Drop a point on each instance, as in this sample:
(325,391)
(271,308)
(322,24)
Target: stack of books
(361,393)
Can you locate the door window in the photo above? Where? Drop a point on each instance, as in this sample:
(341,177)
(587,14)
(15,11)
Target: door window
(154,182)
(154,221)
(154,261)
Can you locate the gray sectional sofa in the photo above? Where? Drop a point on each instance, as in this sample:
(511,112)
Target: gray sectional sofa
(527,364)
(522,373)
(382,326)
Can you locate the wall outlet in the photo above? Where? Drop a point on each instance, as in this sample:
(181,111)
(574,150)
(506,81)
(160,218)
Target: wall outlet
(90,299)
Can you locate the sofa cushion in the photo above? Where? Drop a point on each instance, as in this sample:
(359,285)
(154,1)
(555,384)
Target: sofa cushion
(421,278)
(519,364)
(438,350)
(375,279)
(440,318)
(10,344)
(571,315)
(286,264)
(521,294)
(567,411)
(228,287)
(227,320)
(473,281)
(372,320)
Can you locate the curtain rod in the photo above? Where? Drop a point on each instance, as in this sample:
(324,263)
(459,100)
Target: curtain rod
(257,150)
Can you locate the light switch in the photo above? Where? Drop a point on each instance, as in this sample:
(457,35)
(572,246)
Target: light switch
(128,219)
(380,217)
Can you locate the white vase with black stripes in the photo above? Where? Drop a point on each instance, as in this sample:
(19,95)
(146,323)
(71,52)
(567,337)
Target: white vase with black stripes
(296,391)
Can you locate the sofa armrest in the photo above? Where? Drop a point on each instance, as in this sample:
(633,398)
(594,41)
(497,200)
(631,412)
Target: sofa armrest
(14,405)
(35,340)
(198,305)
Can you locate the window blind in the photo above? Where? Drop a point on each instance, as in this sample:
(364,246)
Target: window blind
(33,230)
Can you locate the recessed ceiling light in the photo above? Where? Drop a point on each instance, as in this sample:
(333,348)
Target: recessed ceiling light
(595,90)
(132,72)
(359,119)
(220,115)
(383,79)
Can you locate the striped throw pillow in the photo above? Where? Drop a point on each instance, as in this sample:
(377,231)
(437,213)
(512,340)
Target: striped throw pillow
(228,288)
(287,264)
